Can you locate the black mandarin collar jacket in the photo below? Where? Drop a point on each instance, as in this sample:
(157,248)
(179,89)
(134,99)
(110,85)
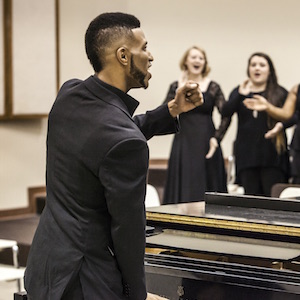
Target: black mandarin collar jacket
(93,225)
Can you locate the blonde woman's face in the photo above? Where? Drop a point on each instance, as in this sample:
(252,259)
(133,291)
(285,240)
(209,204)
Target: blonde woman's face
(259,70)
(195,62)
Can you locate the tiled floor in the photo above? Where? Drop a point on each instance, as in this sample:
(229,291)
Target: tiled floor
(7,289)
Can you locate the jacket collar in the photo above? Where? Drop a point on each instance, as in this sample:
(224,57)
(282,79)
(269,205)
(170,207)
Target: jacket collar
(108,94)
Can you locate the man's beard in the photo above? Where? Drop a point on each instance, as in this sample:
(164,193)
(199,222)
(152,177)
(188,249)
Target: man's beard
(137,74)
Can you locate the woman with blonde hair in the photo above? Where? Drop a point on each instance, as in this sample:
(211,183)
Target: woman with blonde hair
(196,151)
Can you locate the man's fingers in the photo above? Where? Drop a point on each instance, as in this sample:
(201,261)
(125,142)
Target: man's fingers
(192,85)
(195,98)
(198,103)
(188,88)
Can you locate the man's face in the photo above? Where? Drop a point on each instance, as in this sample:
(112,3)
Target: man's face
(140,61)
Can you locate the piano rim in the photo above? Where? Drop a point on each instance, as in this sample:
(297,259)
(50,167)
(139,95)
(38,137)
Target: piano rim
(226,272)
(224,224)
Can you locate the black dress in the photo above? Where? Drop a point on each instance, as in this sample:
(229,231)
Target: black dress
(295,145)
(252,149)
(190,174)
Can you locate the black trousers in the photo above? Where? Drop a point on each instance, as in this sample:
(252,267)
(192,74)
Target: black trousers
(259,181)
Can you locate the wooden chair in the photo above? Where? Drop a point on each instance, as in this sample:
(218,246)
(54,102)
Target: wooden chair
(20,296)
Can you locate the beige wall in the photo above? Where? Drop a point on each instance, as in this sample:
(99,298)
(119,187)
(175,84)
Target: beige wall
(229,30)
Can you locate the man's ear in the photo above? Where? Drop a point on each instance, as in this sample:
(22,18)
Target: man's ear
(122,55)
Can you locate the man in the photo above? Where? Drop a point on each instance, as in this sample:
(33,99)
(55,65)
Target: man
(91,237)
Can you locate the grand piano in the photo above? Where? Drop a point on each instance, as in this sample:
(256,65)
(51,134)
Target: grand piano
(225,247)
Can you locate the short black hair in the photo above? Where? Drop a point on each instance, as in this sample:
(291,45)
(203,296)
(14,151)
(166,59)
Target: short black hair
(105,29)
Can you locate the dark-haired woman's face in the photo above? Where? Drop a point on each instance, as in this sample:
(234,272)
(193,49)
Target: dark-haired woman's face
(259,70)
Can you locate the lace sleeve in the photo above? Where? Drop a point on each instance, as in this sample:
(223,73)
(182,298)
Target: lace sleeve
(218,95)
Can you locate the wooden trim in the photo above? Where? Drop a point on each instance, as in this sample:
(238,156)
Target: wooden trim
(272,229)
(14,212)
(8,63)
(158,163)
(57,25)
(33,193)
(23,117)
(8,91)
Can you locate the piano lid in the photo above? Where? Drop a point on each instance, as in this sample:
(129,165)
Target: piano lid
(265,218)
(269,203)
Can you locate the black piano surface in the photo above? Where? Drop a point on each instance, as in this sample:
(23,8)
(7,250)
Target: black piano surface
(221,248)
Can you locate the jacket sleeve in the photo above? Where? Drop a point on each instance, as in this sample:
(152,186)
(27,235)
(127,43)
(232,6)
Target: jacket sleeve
(219,98)
(123,174)
(157,122)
